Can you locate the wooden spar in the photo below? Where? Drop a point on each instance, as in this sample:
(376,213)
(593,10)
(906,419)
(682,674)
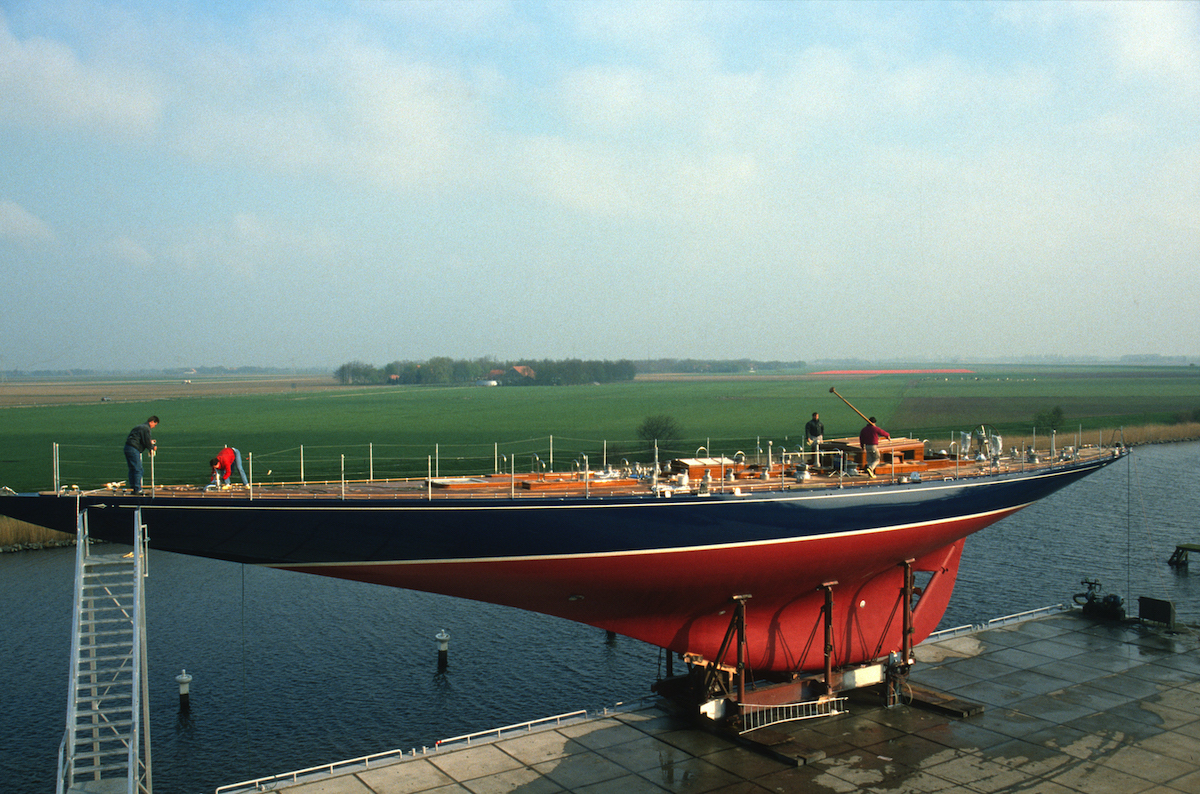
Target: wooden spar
(833,390)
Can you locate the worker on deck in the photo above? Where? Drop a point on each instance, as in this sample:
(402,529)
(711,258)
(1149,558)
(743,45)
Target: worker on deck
(869,437)
(814,434)
(137,442)
(223,465)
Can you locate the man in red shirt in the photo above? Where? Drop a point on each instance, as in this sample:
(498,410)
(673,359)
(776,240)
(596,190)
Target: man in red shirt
(223,464)
(869,438)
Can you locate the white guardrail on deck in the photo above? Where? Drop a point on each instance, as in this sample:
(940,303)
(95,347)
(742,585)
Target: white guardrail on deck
(389,756)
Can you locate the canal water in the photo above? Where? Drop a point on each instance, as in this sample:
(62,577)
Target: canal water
(292,670)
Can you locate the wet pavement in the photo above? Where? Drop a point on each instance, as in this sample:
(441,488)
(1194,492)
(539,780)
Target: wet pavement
(1058,704)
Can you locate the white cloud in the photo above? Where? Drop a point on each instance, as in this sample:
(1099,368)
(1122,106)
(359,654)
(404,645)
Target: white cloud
(19,224)
(451,17)
(639,25)
(246,245)
(588,178)
(1158,39)
(268,138)
(44,83)
(349,111)
(124,250)
(611,99)
(408,121)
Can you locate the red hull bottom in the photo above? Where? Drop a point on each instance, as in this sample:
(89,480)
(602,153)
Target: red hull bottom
(682,600)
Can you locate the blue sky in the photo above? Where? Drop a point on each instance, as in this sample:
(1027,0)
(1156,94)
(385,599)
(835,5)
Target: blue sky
(304,184)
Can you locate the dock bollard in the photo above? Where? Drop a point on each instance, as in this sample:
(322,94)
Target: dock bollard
(184,680)
(443,640)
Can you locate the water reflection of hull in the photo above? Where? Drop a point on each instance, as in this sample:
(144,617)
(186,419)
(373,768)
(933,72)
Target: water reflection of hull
(663,570)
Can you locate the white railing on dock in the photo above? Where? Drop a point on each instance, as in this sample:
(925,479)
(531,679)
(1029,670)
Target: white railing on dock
(971,628)
(1026,615)
(391,756)
(520,727)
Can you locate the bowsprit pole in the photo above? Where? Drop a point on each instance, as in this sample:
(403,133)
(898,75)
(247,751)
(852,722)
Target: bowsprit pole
(833,390)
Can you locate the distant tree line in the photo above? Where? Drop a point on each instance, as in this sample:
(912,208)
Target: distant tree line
(442,370)
(694,366)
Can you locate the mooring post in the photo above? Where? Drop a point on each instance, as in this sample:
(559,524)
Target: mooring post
(827,611)
(184,680)
(443,640)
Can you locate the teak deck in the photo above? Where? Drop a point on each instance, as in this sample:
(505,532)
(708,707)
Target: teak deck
(902,460)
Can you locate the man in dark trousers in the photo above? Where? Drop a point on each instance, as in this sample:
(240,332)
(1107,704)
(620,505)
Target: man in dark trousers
(139,441)
(869,438)
(814,434)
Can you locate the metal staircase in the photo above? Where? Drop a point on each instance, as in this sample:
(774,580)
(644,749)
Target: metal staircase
(108,702)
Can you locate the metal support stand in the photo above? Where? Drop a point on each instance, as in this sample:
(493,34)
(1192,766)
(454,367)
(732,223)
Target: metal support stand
(712,684)
(740,617)
(737,627)
(907,640)
(827,613)
(896,673)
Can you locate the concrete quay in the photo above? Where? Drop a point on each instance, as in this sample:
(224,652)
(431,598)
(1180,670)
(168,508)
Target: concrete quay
(1068,704)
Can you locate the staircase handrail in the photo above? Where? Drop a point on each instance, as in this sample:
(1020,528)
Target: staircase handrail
(65,767)
(140,684)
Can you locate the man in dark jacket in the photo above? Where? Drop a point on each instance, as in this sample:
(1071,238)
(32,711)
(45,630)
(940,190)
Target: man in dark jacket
(814,434)
(139,440)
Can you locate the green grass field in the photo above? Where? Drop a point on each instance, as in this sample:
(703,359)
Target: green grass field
(396,430)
